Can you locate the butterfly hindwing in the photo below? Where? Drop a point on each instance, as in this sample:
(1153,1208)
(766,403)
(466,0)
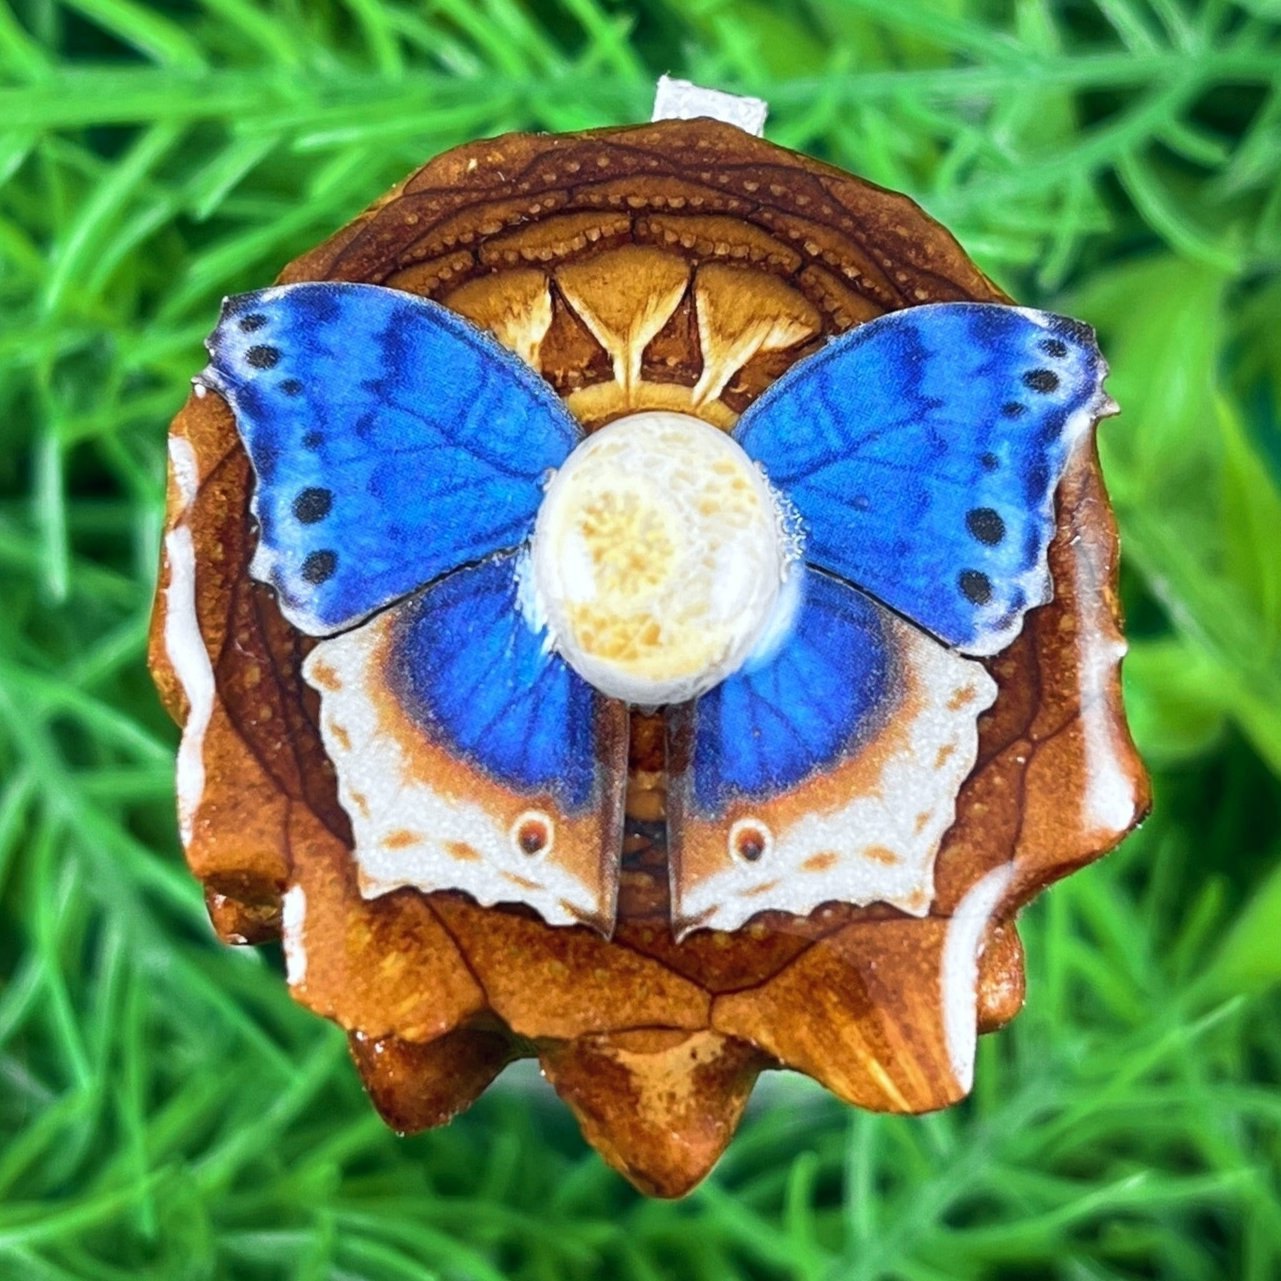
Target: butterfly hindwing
(825,770)
(471,757)
(922,451)
(391,442)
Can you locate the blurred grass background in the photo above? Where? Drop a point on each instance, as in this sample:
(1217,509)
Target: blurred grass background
(166,1112)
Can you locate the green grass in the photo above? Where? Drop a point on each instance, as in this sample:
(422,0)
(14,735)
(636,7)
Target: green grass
(168,1113)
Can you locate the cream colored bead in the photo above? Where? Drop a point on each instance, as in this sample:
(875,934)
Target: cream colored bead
(658,556)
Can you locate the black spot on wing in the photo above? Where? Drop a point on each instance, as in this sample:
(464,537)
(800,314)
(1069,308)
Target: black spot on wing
(255,320)
(1054,347)
(319,567)
(1012,409)
(975,586)
(986,525)
(313,504)
(262,357)
(1042,380)
(291,386)
(990,461)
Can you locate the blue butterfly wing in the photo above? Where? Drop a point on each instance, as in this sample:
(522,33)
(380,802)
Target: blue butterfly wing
(467,667)
(391,440)
(797,710)
(826,769)
(922,452)
(470,756)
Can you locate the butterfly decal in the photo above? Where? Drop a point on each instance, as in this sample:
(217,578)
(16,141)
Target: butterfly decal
(402,458)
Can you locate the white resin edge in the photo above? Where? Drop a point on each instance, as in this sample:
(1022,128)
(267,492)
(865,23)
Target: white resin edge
(184,646)
(684,100)
(959,973)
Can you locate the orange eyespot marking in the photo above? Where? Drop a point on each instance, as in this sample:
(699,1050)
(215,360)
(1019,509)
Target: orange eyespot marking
(533,833)
(749,840)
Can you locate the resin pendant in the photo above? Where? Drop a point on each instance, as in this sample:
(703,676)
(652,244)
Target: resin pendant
(643,599)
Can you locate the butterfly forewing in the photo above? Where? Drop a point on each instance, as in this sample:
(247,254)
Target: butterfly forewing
(922,452)
(391,441)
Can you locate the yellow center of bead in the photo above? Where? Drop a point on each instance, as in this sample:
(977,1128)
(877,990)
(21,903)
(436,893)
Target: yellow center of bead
(658,556)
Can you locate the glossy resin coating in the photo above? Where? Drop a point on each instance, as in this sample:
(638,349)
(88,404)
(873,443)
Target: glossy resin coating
(680,266)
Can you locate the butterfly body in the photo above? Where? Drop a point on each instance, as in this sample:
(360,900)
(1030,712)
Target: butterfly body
(402,462)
